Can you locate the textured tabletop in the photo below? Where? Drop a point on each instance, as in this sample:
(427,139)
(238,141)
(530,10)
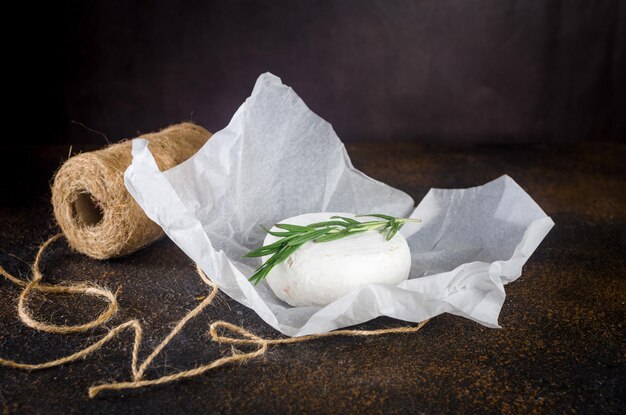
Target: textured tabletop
(561,347)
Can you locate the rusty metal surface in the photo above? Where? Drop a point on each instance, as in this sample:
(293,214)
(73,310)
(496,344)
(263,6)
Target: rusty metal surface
(561,348)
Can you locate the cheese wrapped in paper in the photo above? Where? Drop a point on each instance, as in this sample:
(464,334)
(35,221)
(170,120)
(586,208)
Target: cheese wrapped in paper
(317,274)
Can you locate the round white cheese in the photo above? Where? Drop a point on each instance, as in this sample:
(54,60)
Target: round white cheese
(317,274)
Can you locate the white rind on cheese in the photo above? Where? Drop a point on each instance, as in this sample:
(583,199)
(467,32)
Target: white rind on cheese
(317,274)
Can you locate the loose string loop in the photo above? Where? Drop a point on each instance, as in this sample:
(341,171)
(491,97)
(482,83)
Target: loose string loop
(138,370)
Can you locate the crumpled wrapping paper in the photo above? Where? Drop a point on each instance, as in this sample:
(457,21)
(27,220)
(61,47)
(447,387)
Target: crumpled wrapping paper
(277,159)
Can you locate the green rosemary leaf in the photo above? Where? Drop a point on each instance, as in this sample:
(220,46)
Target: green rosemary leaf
(378,215)
(349,220)
(384,229)
(328,223)
(259,275)
(351,231)
(274,233)
(293,228)
(264,250)
(284,254)
(306,237)
(392,232)
(331,237)
(264,269)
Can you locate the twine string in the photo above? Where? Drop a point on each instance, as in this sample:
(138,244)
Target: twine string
(138,370)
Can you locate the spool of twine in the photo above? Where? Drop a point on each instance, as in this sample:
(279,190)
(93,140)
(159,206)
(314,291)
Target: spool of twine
(95,212)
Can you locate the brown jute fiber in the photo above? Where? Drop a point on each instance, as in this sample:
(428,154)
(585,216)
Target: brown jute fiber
(137,369)
(95,212)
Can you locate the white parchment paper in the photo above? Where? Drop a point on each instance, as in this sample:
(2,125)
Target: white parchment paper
(277,159)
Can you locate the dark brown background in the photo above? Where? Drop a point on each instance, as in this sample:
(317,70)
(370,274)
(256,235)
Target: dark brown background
(448,70)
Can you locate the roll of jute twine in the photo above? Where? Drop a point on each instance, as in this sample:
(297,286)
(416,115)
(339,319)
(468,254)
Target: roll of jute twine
(100,219)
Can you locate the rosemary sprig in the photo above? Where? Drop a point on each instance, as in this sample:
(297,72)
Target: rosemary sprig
(293,237)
